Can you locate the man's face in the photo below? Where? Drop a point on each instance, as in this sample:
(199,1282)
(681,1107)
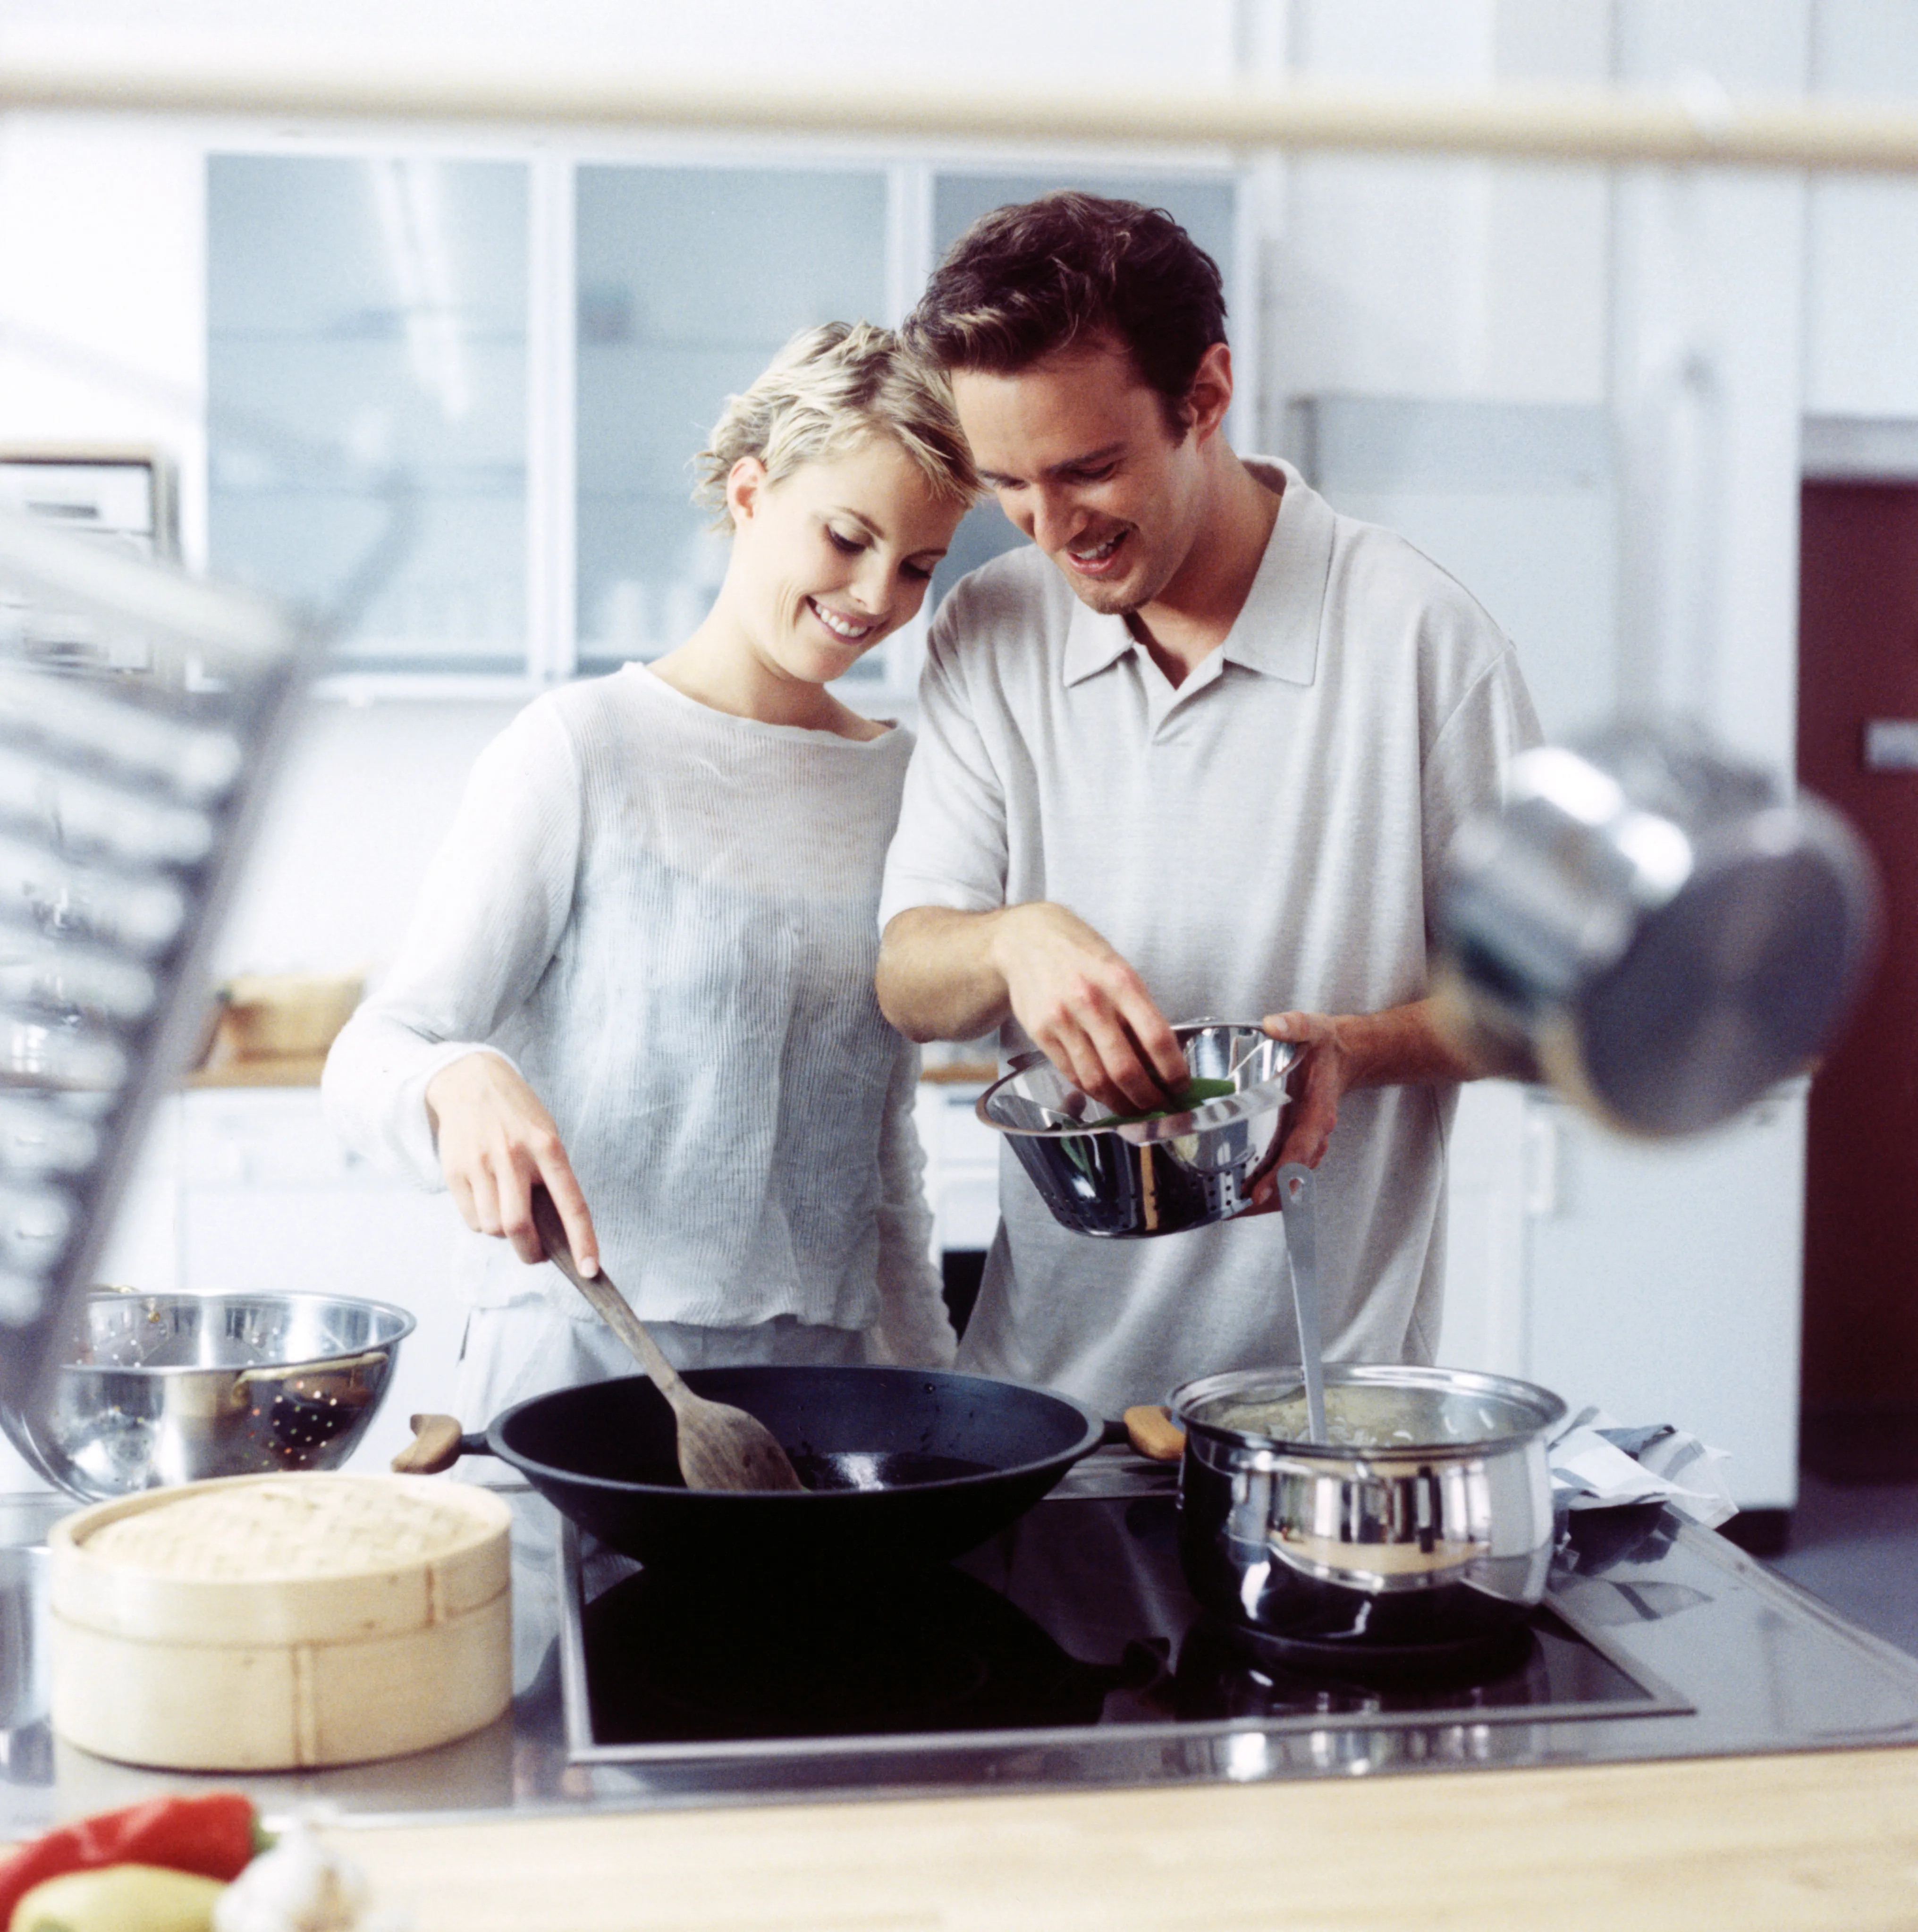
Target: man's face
(1077,450)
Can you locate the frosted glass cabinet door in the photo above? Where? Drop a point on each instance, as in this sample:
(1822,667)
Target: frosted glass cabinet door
(365,313)
(690,279)
(1205,209)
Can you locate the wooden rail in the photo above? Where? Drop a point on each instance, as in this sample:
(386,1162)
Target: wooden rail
(335,81)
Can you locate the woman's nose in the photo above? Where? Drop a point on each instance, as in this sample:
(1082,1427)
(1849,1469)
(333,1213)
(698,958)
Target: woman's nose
(871,587)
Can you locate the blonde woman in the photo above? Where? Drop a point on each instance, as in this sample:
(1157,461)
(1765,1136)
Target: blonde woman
(640,974)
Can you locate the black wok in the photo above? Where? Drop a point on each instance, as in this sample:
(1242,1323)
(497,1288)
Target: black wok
(905,1466)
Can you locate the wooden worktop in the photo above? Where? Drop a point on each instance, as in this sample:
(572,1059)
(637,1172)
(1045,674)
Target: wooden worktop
(1825,1841)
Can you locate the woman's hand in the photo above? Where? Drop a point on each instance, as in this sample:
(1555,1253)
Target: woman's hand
(496,1144)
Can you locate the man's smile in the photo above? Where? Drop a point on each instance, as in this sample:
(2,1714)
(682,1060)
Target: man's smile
(1095,560)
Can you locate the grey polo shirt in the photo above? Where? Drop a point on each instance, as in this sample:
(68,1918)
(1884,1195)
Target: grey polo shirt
(1267,836)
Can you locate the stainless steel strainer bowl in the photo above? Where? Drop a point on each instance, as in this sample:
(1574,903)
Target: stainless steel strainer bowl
(1099,1175)
(155,1389)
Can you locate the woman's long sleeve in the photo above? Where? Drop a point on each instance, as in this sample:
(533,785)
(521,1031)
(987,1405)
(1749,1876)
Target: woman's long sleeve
(914,1329)
(491,910)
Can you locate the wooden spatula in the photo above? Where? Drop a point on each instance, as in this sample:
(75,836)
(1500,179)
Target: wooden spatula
(720,1447)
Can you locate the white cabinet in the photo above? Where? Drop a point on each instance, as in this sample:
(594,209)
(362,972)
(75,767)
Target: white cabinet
(269,1202)
(1661,1281)
(246,1190)
(962,1167)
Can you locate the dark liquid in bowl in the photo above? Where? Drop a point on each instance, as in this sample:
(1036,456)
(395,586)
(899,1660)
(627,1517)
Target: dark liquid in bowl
(899,1469)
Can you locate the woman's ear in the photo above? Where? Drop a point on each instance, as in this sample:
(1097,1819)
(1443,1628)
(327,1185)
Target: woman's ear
(744,481)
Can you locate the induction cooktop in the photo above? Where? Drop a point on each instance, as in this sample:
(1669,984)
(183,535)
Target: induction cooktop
(1074,1623)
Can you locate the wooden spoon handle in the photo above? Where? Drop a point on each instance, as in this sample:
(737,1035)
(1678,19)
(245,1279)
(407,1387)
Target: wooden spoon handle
(607,1299)
(1153,1432)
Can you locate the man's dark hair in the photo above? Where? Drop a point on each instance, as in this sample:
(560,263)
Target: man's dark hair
(1027,280)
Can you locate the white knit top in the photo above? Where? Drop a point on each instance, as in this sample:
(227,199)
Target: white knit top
(664,916)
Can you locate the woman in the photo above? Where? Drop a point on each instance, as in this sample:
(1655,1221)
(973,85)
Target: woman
(641,971)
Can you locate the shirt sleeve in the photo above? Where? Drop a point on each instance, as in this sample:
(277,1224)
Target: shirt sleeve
(914,1330)
(949,849)
(1466,765)
(494,903)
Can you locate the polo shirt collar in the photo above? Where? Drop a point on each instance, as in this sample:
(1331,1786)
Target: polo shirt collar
(1276,632)
(1093,643)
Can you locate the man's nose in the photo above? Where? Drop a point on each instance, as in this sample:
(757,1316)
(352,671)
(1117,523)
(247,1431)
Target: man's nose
(1056,519)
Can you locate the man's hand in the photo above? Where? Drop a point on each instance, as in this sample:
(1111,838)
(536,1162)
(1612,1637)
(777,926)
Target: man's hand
(1321,1078)
(496,1143)
(1403,1046)
(1086,1010)
(947,975)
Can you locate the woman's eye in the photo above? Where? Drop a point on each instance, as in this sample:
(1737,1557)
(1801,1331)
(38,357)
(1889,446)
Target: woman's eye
(920,573)
(845,545)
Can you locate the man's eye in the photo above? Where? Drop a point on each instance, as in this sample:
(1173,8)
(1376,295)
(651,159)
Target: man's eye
(1098,475)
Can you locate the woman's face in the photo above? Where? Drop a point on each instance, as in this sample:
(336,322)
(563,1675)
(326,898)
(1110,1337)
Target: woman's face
(834,556)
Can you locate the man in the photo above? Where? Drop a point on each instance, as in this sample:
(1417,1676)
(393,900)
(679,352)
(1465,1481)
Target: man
(1198,751)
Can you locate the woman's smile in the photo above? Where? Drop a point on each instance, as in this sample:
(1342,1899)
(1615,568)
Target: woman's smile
(847,630)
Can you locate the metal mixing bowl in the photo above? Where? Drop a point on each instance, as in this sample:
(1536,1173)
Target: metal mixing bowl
(169,1388)
(1100,1175)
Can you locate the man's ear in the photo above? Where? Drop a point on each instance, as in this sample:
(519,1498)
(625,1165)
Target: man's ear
(744,481)
(1210,395)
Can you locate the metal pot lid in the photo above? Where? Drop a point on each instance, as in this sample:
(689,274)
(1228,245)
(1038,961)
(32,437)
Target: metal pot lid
(1654,926)
(1389,1408)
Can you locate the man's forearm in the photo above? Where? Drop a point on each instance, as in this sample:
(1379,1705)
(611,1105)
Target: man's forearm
(1403,1046)
(937,980)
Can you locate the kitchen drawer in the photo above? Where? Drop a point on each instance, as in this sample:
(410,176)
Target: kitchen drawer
(266,1137)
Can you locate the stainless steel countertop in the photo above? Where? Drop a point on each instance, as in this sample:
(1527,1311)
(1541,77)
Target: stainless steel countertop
(1739,1660)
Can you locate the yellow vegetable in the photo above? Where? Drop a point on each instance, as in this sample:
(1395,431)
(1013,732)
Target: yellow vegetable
(119,1898)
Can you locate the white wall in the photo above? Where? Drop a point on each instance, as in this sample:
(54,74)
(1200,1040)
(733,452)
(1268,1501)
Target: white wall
(1381,278)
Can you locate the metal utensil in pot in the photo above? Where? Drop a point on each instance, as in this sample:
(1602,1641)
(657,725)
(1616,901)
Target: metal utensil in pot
(1099,1174)
(1424,1525)
(1653,926)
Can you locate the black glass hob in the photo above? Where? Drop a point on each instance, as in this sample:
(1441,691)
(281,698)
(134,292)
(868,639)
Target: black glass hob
(1075,1620)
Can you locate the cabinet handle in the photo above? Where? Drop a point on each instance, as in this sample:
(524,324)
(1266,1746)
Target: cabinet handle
(1544,1160)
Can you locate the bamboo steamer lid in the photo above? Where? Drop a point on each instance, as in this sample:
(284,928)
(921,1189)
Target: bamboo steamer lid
(264,1623)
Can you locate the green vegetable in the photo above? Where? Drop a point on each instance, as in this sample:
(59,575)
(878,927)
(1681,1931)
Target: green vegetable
(1194,1093)
(120,1898)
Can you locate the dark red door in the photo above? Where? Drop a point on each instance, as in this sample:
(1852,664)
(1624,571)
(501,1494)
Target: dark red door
(1858,663)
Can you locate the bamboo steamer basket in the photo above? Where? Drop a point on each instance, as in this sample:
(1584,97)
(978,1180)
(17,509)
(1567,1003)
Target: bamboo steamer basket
(269,1623)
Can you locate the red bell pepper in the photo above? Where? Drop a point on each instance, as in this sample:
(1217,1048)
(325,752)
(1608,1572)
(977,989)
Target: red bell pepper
(215,1835)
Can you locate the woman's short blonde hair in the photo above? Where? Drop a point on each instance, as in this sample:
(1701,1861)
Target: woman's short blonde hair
(828,390)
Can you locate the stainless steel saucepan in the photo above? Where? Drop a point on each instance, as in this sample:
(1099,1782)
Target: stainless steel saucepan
(1424,1525)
